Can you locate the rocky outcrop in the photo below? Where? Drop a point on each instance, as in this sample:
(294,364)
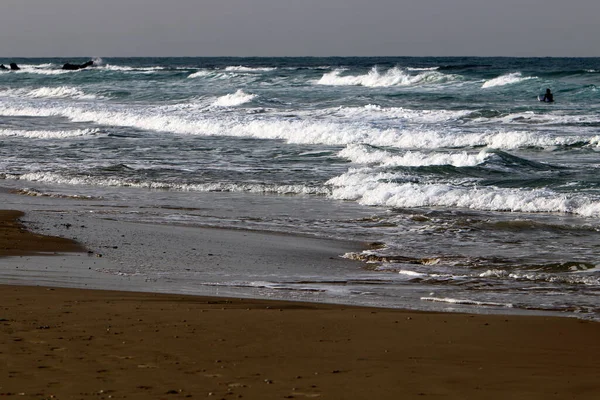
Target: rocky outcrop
(73,67)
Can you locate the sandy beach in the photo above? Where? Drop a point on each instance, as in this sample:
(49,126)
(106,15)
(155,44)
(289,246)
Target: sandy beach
(66,343)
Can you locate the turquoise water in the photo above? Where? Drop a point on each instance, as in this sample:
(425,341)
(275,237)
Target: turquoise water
(481,194)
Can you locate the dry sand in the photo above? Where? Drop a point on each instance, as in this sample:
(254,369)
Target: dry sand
(83,344)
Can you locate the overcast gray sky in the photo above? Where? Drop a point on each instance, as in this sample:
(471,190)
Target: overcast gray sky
(110,28)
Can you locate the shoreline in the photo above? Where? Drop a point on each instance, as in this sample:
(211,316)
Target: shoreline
(225,262)
(79,343)
(16,240)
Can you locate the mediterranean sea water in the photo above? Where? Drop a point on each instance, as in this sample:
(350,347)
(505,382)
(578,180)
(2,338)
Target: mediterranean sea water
(477,194)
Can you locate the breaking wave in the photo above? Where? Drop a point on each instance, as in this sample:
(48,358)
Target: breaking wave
(308,130)
(508,79)
(379,189)
(373,111)
(235,99)
(374,78)
(241,68)
(47,134)
(59,92)
(54,178)
(362,154)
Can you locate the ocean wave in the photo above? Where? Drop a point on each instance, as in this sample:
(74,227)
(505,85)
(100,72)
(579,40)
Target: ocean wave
(241,68)
(47,134)
(39,193)
(422,68)
(508,79)
(362,154)
(124,68)
(374,78)
(373,189)
(510,140)
(154,119)
(571,279)
(466,302)
(59,92)
(200,74)
(373,111)
(88,180)
(533,118)
(213,74)
(234,99)
(307,130)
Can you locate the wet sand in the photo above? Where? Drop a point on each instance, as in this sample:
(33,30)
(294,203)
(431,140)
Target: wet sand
(15,240)
(81,344)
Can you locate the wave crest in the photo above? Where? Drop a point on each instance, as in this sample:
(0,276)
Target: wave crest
(59,92)
(241,68)
(507,79)
(47,134)
(54,178)
(364,155)
(234,99)
(378,189)
(374,78)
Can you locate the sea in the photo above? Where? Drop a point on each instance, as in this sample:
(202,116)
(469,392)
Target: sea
(471,193)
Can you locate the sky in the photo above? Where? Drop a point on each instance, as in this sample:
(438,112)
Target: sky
(128,28)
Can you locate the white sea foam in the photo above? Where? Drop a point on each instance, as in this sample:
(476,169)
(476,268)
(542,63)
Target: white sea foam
(43,69)
(422,68)
(307,130)
(47,134)
(152,118)
(505,140)
(411,273)
(374,189)
(363,155)
(39,193)
(573,278)
(530,117)
(58,92)
(124,68)
(234,99)
(200,74)
(374,78)
(508,79)
(372,111)
(213,75)
(466,302)
(55,178)
(241,68)
(494,273)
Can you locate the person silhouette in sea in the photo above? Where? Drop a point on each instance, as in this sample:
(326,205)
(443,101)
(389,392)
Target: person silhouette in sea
(548,96)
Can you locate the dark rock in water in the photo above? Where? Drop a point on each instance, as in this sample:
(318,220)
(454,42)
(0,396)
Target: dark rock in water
(14,67)
(73,67)
(2,66)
